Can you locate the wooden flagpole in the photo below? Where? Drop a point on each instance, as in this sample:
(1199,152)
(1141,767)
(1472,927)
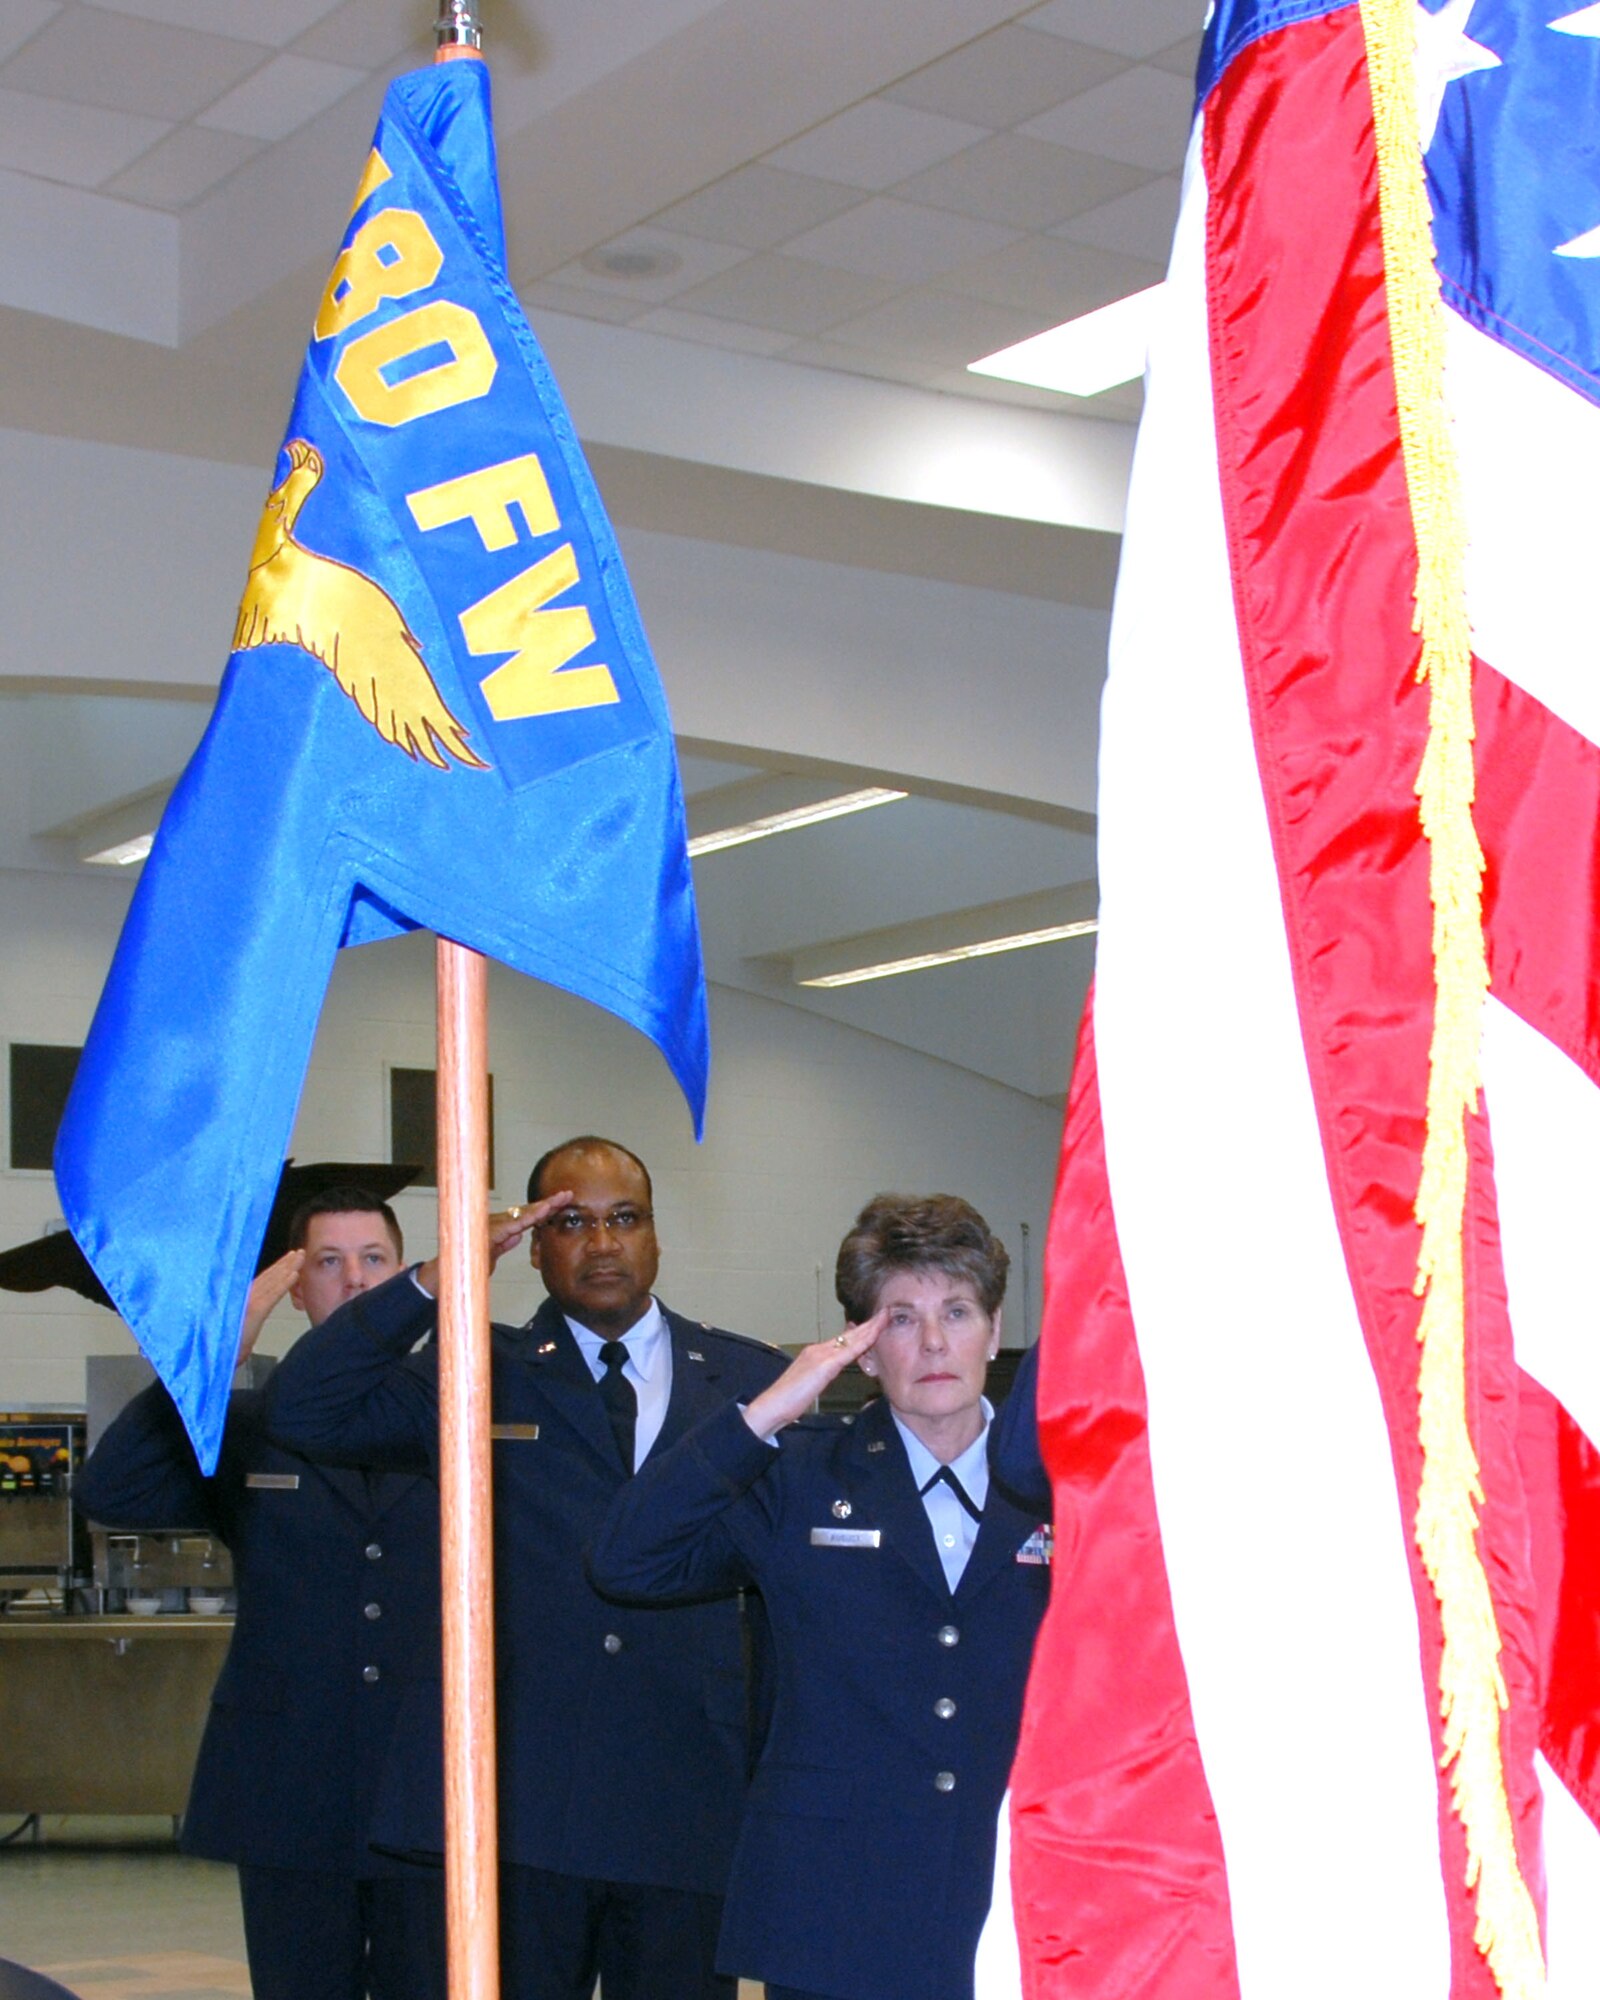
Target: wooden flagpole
(466,1519)
(472,1901)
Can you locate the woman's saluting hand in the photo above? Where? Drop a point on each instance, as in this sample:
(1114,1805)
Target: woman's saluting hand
(796,1390)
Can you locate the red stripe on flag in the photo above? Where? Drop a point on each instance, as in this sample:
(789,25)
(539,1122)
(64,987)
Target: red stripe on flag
(1538,814)
(1324,564)
(1117,1871)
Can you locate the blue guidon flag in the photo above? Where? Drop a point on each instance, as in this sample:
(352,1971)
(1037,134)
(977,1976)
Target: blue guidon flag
(440,711)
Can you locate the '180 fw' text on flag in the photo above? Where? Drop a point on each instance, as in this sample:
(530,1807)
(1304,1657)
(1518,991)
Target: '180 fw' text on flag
(440,711)
(1236,1773)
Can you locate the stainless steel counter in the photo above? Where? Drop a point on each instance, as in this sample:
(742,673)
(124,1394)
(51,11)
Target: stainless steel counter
(104,1715)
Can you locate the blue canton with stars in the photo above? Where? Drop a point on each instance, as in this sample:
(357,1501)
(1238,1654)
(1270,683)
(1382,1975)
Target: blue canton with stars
(1513,165)
(1514,176)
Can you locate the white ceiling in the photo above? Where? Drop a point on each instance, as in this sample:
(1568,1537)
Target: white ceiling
(759,205)
(896,223)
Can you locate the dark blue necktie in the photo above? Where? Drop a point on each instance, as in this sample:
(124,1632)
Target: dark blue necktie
(945,1477)
(620,1399)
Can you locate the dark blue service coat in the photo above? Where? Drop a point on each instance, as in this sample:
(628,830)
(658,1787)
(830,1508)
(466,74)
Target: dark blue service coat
(1015,1457)
(624,1732)
(866,1860)
(338,1584)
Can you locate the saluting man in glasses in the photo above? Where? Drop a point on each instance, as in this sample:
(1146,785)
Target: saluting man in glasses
(624,1732)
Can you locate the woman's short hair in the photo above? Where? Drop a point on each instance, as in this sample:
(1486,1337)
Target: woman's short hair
(918,1232)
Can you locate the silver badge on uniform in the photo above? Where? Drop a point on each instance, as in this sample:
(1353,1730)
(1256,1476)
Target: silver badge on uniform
(840,1510)
(273,1482)
(846,1538)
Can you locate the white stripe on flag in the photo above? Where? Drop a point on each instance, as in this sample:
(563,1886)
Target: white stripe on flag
(1283,1535)
(1529,448)
(998,1970)
(1544,1115)
(1572,1868)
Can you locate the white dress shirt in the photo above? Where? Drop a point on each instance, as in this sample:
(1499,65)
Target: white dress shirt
(954,1530)
(648,1367)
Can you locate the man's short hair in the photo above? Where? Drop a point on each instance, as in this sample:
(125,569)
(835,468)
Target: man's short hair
(586,1142)
(347,1200)
(918,1232)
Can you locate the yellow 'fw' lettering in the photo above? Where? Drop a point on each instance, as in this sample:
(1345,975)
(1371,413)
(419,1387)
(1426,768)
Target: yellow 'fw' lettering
(485,498)
(362,279)
(512,618)
(465,376)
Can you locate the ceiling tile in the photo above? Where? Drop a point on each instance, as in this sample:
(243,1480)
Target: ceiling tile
(900,241)
(875,144)
(758,207)
(76,143)
(930,325)
(884,367)
(1129,29)
(714,332)
(1141,116)
(581,304)
(1044,274)
(1006,76)
(248,20)
(1025,183)
(1182,59)
(648,265)
(786,293)
(90,56)
(182,167)
(368,33)
(1138,224)
(21,18)
(281,97)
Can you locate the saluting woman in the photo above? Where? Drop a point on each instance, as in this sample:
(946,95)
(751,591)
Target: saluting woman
(904,1593)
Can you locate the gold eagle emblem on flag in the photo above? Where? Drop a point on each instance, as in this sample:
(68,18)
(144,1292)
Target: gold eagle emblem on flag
(295,597)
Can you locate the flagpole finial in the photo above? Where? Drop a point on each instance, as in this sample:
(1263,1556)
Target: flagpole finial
(457,26)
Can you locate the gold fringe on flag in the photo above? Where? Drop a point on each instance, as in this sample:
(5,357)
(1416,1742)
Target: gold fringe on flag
(1472,1690)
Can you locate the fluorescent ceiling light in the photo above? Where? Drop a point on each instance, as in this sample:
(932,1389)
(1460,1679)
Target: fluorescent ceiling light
(119,835)
(1085,355)
(1051,934)
(795,816)
(1013,925)
(123,853)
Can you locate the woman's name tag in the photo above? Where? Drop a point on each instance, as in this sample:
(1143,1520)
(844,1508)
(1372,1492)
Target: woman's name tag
(846,1538)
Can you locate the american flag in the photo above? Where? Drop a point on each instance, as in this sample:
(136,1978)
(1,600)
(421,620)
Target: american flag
(1234,1777)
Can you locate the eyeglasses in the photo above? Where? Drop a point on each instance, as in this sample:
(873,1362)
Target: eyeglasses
(573,1223)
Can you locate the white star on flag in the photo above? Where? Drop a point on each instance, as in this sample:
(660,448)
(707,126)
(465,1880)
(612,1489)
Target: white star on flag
(1585,22)
(1586,245)
(1444,56)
